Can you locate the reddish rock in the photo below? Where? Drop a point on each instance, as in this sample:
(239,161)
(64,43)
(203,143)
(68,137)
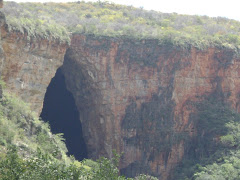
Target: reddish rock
(28,65)
(137,96)
(1,3)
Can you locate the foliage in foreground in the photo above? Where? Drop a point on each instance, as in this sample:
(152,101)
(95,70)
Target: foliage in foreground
(214,154)
(226,161)
(28,150)
(109,19)
(19,126)
(42,166)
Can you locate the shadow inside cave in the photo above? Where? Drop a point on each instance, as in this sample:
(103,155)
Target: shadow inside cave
(59,109)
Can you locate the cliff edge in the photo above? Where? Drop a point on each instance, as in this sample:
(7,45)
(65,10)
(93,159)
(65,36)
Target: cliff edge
(136,96)
(29,63)
(139,97)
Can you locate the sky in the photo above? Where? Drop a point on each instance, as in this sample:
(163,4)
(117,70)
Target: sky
(213,8)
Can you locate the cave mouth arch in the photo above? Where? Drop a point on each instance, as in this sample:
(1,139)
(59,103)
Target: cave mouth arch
(60,111)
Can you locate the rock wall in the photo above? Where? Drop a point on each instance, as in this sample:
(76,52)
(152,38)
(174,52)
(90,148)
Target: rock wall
(137,96)
(2,22)
(28,64)
(1,3)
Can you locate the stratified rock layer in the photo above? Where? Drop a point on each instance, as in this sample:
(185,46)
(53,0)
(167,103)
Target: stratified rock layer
(137,97)
(28,64)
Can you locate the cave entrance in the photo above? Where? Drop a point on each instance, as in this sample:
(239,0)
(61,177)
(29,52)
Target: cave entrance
(59,109)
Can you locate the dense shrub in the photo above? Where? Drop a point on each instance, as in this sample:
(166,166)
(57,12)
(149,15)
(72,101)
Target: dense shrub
(109,19)
(214,153)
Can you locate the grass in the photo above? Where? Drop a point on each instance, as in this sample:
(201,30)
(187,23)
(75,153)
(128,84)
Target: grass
(59,20)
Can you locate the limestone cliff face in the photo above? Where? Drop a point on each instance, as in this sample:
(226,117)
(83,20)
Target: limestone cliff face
(2,22)
(1,3)
(28,64)
(137,97)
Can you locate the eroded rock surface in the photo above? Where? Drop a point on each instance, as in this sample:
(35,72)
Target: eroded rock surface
(137,97)
(28,64)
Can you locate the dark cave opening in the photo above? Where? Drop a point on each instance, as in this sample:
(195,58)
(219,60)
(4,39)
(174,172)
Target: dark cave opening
(59,109)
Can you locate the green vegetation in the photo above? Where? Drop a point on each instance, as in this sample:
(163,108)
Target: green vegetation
(214,153)
(21,127)
(227,158)
(109,19)
(42,166)
(37,28)
(28,150)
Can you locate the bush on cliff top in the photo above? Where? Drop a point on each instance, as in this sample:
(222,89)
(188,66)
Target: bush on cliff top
(37,28)
(109,19)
